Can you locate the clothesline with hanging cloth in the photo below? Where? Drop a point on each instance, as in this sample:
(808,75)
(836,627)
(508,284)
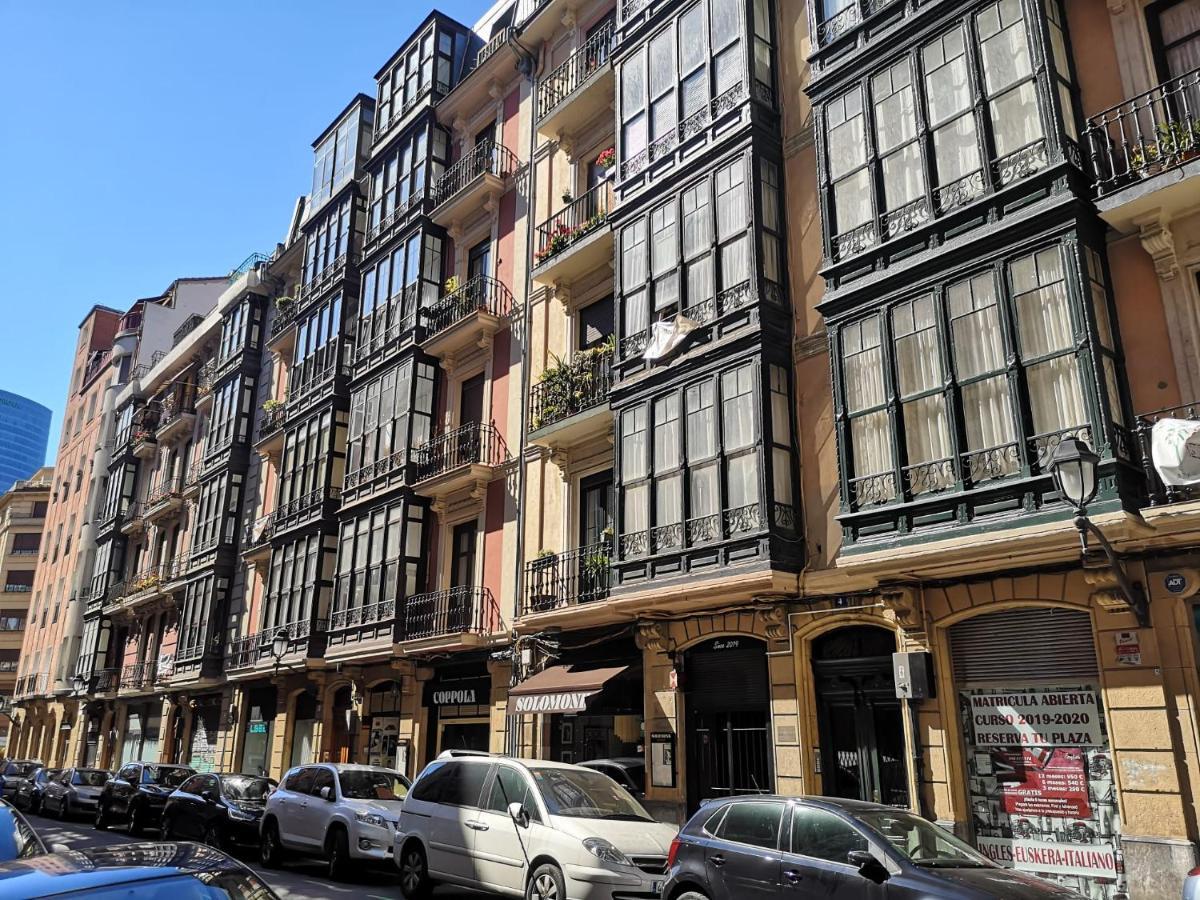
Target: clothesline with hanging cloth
(559,689)
(1175,448)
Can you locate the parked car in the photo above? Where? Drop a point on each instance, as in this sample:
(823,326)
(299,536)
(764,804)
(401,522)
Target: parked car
(31,789)
(74,791)
(151,870)
(137,795)
(18,840)
(627,771)
(337,811)
(14,770)
(477,821)
(794,846)
(217,809)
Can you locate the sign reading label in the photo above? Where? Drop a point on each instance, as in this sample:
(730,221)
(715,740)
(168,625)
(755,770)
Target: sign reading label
(1175,583)
(1035,719)
(258,728)
(1043,783)
(1051,857)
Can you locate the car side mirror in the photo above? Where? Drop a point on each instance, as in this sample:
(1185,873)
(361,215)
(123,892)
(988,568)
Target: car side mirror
(518,814)
(208,796)
(59,848)
(327,793)
(868,865)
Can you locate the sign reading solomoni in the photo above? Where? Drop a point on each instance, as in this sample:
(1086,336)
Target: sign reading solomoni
(562,702)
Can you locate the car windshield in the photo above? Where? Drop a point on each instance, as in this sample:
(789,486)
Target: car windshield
(90,777)
(17,839)
(921,841)
(20,770)
(584,794)
(166,776)
(364,784)
(246,787)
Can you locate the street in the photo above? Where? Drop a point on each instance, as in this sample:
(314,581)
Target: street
(300,879)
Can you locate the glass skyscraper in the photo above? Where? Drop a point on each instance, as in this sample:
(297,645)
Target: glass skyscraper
(24,430)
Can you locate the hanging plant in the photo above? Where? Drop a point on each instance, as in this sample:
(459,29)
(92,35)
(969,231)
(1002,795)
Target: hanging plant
(607,158)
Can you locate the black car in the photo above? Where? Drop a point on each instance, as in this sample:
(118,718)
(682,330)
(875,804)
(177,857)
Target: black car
(797,847)
(221,810)
(32,789)
(74,791)
(18,840)
(138,793)
(14,771)
(179,871)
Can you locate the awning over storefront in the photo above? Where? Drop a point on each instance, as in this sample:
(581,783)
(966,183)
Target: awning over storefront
(559,689)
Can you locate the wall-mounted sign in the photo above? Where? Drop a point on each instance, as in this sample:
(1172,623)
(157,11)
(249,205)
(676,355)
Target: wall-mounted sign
(1175,582)
(1129,648)
(461,692)
(662,759)
(258,728)
(1035,717)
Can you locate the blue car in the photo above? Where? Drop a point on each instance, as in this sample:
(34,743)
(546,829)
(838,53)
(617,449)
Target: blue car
(151,871)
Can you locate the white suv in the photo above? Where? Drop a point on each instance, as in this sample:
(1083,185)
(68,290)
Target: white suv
(341,812)
(532,828)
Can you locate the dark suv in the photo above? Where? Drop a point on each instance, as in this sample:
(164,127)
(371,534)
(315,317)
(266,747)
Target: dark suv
(138,793)
(796,847)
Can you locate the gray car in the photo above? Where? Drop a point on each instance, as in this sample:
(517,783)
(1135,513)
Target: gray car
(14,771)
(74,791)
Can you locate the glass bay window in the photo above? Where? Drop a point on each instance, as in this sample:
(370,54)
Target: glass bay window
(395,288)
(389,416)
(380,562)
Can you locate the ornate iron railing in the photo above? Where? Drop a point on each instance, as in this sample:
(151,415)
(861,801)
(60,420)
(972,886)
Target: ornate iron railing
(272,419)
(565,579)
(470,444)
(242,653)
(458,610)
(131,676)
(300,508)
(107,679)
(700,530)
(285,315)
(571,388)
(481,294)
(1158,490)
(163,492)
(327,275)
(1147,134)
(575,70)
(572,223)
(250,262)
(371,614)
(486,158)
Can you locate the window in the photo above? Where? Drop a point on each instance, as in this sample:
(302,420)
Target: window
(454,783)
(510,786)
(752,822)
(292,582)
(230,419)
(335,158)
(381,414)
(426,64)
(824,835)
(216,512)
(322,778)
(19,581)
(11,621)
(949,351)
(378,560)
(300,781)
(240,323)
(395,287)
(404,175)
(1174,27)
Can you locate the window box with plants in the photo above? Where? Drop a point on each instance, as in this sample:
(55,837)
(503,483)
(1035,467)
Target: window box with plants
(567,388)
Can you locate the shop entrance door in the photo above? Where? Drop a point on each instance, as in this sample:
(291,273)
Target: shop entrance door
(465,736)
(728,720)
(858,715)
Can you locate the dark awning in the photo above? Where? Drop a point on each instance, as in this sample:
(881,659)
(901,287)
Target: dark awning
(559,689)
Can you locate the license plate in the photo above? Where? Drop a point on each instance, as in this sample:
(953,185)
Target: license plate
(656,888)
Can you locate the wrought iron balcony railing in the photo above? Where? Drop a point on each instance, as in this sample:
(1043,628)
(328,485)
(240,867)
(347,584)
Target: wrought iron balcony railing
(570,388)
(371,614)
(107,680)
(707,529)
(132,675)
(285,315)
(486,158)
(565,579)
(575,70)
(1147,134)
(471,444)
(163,492)
(245,651)
(274,414)
(480,294)
(300,509)
(1158,490)
(458,610)
(575,221)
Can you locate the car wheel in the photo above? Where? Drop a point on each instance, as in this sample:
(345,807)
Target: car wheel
(270,850)
(101,816)
(414,873)
(546,884)
(136,819)
(691,895)
(337,851)
(212,836)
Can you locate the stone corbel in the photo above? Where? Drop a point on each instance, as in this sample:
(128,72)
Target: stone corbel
(1157,239)
(774,621)
(459,127)
(455,231)
(653,636)
(568,17)
(566,144)
(479,489)
(562,292)
(496,91)
(904,607)
(560,457)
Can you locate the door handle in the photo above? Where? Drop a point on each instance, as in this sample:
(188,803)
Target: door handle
(718,860)
(792,875)
(478,826)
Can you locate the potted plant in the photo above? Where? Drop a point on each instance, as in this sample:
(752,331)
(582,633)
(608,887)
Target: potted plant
(284,303)
(269,406)
(607,160)
(567,196)
(451,284)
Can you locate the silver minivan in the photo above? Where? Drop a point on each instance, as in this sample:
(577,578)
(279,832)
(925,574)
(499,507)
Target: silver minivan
(532,828)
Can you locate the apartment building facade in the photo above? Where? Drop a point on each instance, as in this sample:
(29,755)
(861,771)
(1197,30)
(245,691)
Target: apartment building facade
(22,517)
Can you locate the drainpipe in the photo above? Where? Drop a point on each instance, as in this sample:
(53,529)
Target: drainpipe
(527,64)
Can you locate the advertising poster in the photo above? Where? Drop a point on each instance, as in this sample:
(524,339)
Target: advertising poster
(1041,786)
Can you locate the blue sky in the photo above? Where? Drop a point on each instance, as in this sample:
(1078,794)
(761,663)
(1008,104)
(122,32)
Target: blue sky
(146,141)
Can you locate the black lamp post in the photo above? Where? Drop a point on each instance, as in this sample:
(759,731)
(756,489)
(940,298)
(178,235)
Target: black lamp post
(1073,467)
(279,646)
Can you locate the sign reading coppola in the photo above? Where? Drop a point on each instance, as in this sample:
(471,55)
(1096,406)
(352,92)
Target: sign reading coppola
(560,702)
(464,692)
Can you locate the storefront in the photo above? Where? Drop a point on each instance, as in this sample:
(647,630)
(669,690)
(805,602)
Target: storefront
(458,710)
(260,710)
(201,752)
(381,720)
(141,739)
(93,720)
(304,727)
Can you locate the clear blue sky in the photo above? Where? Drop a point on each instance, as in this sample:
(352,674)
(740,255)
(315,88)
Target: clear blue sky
(143,141)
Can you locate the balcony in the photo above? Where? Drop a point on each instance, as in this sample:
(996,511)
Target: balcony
(371,614)
(577,239)
(329,276)
(473,184)
(130,520)
(306,639)
(191,482)
(466,319)
(177,419)
(321,503)
(107,680)
(283,336)
(580,91)
(133,677)
(1161,493)
(303,392)
(568,407)
(164,500)
(459,617)
(145,588)
(143,443)
(559,580)
(204,384)
(270,427)
(466,458)
(22,517)
(256,540)
(1145,153)
(34,685)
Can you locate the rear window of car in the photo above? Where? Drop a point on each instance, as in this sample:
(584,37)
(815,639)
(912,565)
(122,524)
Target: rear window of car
(90,777)
(299,781)
(455,783)
(754,822)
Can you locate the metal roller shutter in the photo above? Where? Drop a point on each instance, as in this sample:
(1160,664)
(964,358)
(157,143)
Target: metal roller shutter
(728,679)
(1023,644)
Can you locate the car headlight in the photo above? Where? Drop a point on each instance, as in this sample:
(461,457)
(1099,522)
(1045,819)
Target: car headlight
(242,815)
(371,819)
(603,850)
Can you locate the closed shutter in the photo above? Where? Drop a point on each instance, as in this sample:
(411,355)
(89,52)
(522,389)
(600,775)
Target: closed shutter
(728,680)
(1022,645)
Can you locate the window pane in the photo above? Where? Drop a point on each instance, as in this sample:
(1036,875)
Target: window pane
(737,408)
(633,86)
(1015,119)
(666,433)
(636,509)
(956,150)
(1043,318)
(1114,393)
(702,491)
(662,72)
(668,500)
(1055,396)
(895,107)
(852,200)
(633,443)
(903,178)
(743,481)
(975,327)
(633,255)
(697,223)
(732,216)
(947,84)
(735,262)
(847,144)
(987,412)
(665,239)
(918,357)
(871,435)
(1005,48)
(701,438)
(824,835)
(755,823)
(863,365)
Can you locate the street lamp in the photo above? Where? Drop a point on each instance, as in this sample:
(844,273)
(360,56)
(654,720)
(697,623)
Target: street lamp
(78,684)
(1073,468)
(279,646)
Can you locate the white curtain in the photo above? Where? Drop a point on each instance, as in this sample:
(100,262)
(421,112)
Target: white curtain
(1055,396)
(979,349)
(702,483)
(743,480)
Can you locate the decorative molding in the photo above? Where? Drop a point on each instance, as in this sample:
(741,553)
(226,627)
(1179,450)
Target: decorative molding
(810,345)
(653,636)
(1116,7)
(774,620)
(905,607)
(1156,237)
